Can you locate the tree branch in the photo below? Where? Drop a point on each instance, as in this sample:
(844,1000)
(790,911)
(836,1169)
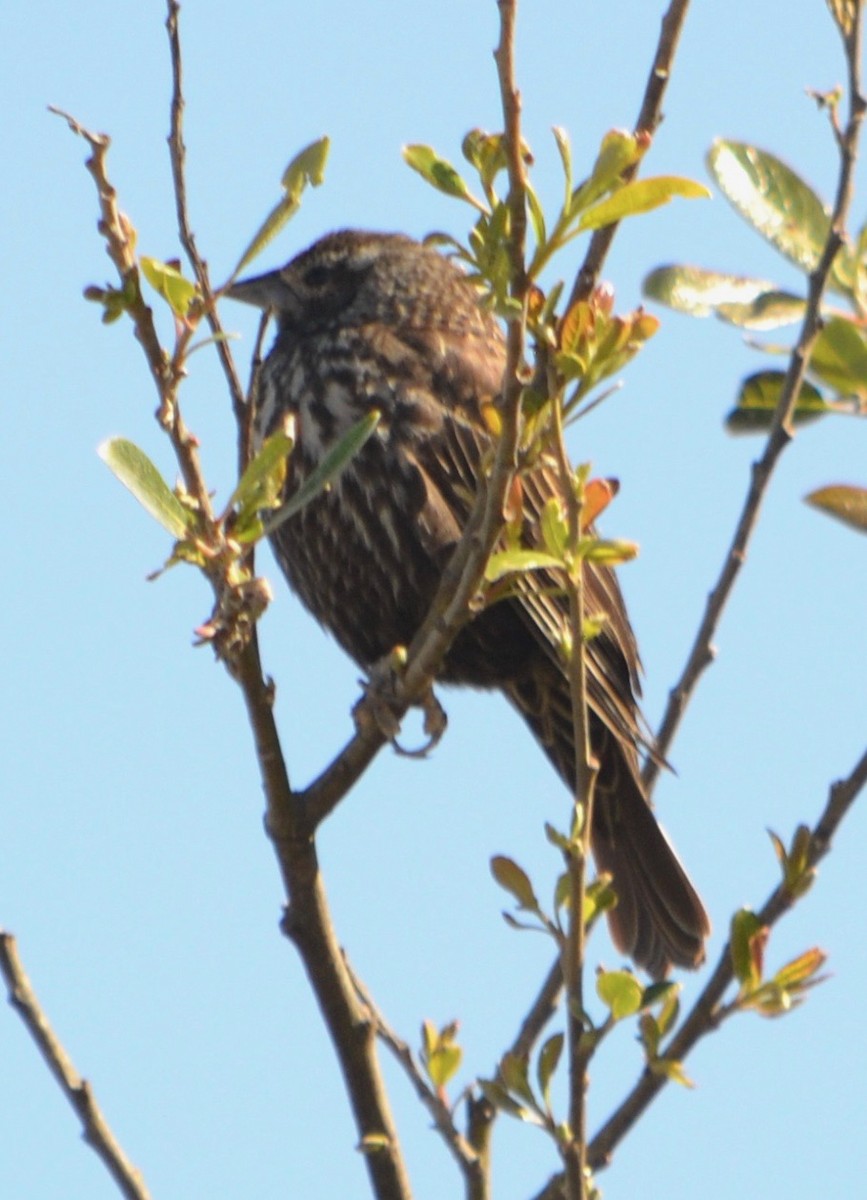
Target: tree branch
(703,1017)
(441,1115)
(96,1130)
(649,118)
(177,157)
(701,654)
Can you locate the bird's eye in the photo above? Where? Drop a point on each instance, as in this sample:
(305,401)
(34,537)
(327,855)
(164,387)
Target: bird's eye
(317,276)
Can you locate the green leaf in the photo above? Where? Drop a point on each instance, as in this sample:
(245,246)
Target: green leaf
(137,473)
(758,399)
(328,470)
(537,216)
(561,137)
(261,484)
(514,880)
(169,283)
(496,1094)
(839,357)
(801,972)
(640,196)
(508,562)
(307,167)
(513,1072)
(611,551)
(487,153)
(745,928)
(778,204)
(555,529)
(740,300)
(844,501)
(441,1053)
(618,151)
(670,1009)
(620,992)
(549,1057)
(439,173)
(672,1070)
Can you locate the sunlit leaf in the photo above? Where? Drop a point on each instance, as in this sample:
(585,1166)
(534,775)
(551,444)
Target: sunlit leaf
(778,204)
(441,1052)
(846,502)
(561,137)
(439,173)
(618,151)
(169,283)
(740,300)
(802,971)
(261,484)
(746,928)
(306,168)
(137,473)
(672,1070)
(610,551)
(554,528)
(620,992)
(508,562)
(537,216)
(486,152)
(640,196)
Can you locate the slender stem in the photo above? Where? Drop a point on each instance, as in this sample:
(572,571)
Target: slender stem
(177,156)
(462,1150)
(649,117)
(701,654)
(704,1017)
(78,1092)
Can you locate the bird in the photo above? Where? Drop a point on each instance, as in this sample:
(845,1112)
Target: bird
(378,321)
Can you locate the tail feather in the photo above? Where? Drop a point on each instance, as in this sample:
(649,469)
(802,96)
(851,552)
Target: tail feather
(659,920)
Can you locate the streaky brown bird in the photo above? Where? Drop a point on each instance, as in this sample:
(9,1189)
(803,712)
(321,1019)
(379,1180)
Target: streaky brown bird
(378,321)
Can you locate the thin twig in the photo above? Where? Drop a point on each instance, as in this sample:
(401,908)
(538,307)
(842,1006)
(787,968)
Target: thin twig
(78,1092)
(649,118)
(780,435)
(573,951)
(441,1115)
(541,1011)
(177,156)
(703,1016)
(115,228)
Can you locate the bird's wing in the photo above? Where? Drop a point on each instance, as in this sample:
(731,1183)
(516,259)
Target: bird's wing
(451,454)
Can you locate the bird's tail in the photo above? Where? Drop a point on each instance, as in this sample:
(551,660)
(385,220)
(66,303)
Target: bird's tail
(659,920)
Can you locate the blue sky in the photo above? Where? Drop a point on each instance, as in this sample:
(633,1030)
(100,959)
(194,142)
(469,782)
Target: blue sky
(134,870)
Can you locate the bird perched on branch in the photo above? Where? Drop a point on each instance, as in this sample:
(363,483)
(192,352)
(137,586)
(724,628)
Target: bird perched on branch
(375,321)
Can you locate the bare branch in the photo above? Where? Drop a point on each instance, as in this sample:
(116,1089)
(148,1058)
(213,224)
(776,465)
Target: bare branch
(649,118)
(177,156)
(97,1132)
(441,1115)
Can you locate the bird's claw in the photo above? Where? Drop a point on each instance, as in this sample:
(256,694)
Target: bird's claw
(377,709)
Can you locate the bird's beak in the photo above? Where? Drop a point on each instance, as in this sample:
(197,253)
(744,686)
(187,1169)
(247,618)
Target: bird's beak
(270,291)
